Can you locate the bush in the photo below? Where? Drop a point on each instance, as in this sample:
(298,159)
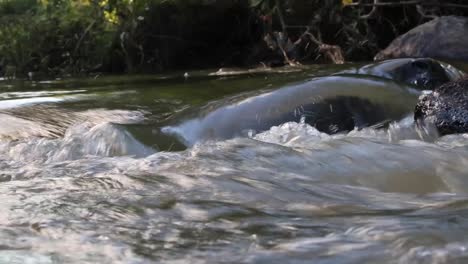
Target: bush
(53,37)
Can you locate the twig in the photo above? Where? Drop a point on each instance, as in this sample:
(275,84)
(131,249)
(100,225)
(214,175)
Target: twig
(372,12)
(420,10)
(412,2)
(333,52)
(286,57)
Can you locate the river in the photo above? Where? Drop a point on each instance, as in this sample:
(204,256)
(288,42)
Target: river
(88,175)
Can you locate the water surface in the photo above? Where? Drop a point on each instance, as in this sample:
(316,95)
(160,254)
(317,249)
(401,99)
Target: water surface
(87,176)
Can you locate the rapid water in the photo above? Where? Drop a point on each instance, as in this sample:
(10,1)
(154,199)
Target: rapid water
(87,176)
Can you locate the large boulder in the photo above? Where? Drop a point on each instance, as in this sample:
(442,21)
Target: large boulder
(443,38)
(446,107)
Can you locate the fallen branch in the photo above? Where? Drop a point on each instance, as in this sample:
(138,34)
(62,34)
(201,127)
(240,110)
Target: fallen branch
(333,52)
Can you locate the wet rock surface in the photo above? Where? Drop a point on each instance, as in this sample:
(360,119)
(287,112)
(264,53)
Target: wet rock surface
(443,38)
(446,107)
(424,73)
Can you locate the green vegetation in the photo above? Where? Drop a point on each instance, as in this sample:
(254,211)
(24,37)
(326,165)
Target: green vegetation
(59,37)
(53,37)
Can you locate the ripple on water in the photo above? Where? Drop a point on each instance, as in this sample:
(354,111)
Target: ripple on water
(52,122)
(290,194)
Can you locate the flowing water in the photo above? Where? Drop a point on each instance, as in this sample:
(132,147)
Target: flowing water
(87,175)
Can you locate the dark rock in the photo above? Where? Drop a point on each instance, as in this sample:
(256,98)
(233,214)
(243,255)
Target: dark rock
(446,107)
(424,73)
(443,38)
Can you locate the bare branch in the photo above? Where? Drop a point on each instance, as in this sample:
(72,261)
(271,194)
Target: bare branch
(411,2)
(333,52)
(420,10)
(372,13)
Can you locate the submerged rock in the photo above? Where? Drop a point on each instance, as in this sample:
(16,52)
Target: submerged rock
(352,99)
(331,104)
(446,107)
(443,38)
(424,73)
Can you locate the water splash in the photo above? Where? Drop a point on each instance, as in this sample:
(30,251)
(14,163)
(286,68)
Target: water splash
(51,121)
(91,193)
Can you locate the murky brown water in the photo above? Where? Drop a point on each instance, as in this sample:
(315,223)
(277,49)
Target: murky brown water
(87,176)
